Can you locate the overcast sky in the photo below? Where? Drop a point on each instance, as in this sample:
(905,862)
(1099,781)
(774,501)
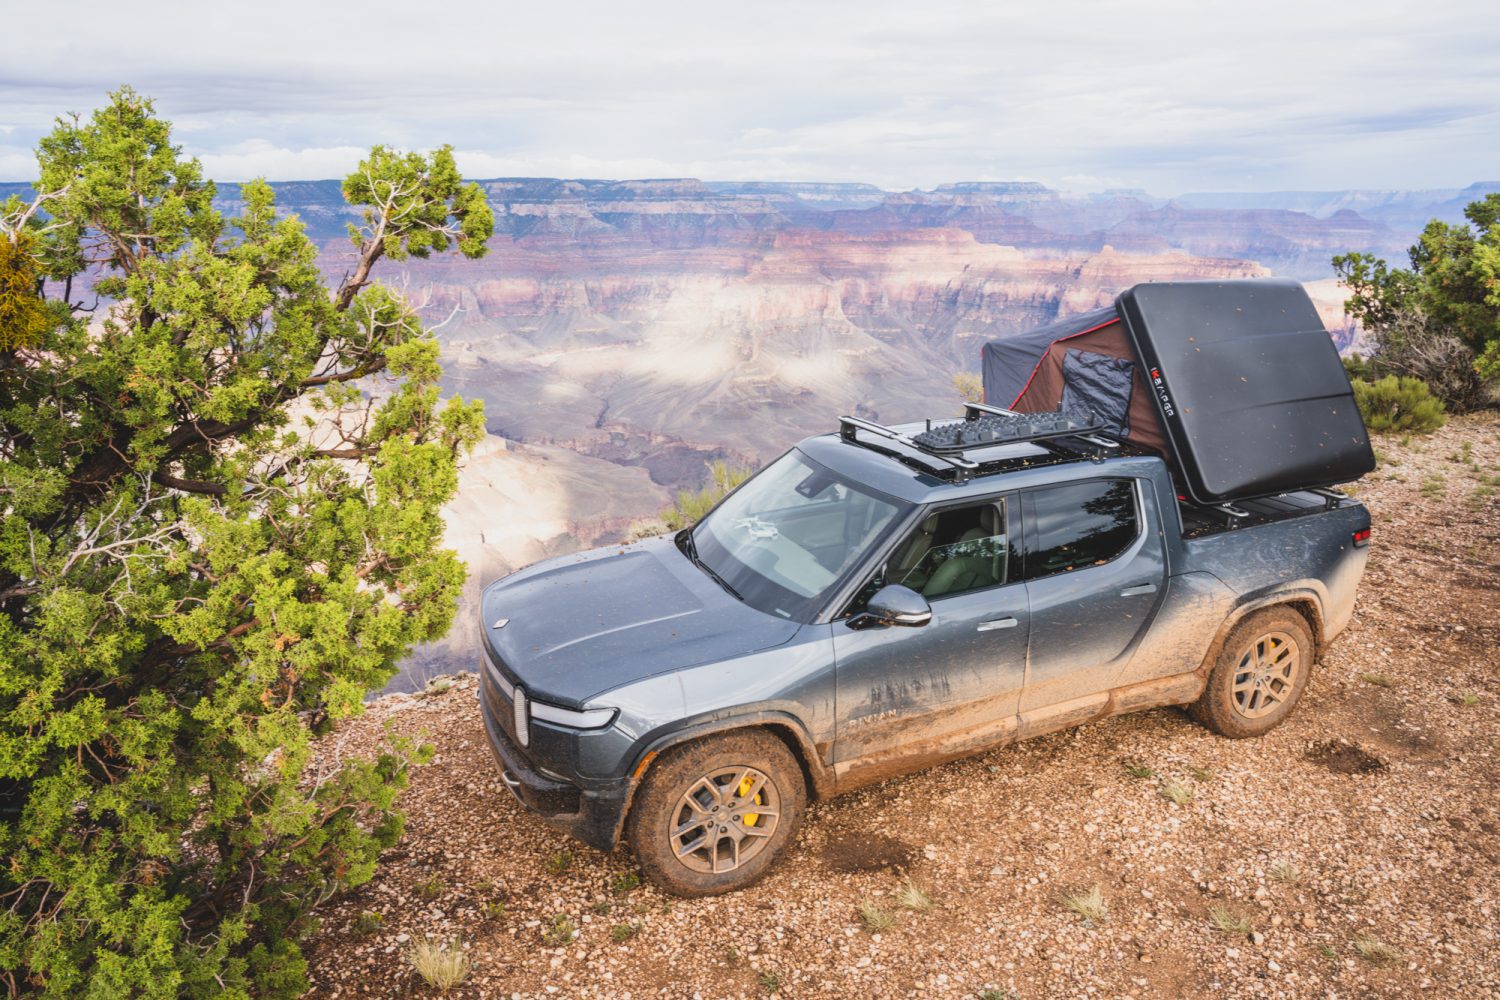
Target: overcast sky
(1167,96)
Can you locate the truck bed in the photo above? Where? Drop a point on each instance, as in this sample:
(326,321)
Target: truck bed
(1201,521)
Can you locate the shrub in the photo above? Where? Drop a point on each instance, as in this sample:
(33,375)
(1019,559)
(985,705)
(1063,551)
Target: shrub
(1396,404)
(970,387)
(689,506)
(1438,320)
(212,545)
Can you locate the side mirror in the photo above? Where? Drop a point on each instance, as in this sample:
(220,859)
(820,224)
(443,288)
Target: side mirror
(894,604)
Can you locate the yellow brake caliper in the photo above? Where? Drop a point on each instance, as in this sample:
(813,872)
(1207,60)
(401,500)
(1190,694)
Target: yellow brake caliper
(750,818)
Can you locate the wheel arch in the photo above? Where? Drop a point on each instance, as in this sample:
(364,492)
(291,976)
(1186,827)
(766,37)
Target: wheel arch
(786,728)
(1305,602)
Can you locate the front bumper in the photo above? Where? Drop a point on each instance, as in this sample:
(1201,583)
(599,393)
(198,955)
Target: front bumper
(594,816)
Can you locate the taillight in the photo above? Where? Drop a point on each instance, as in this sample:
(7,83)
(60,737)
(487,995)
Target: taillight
(1362,537)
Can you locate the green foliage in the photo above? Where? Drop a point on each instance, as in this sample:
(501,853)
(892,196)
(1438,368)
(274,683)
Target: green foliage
(970,387)
(219,528)
(689,506)
(1398,404)
(1439,320)
(23,313)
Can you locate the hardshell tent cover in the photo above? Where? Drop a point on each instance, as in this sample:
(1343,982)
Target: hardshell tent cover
(1236,383)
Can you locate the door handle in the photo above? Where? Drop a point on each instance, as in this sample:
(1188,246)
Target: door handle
(1140,588)
(995,623)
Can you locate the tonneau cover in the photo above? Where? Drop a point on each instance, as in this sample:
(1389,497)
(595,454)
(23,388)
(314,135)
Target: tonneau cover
(1248,385)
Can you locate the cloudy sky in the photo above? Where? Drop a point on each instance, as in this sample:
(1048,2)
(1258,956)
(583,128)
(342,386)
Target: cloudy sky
(1167,96)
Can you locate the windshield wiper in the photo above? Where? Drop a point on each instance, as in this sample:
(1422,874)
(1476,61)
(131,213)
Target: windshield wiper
(690,549)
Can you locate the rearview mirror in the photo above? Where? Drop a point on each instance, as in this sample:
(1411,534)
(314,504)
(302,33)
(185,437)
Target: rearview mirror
(894,604)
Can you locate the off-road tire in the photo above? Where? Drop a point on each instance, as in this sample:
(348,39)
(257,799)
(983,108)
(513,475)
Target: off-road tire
(661,799)
(1257,639)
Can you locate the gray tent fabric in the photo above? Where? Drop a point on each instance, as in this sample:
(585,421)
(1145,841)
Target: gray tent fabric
(1098,385)
(1006,365)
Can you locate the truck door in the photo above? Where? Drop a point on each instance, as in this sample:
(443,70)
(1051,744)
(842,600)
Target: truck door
(1095,572)
(908,695)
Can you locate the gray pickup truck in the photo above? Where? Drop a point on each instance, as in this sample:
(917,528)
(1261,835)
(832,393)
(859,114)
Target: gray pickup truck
(882,599)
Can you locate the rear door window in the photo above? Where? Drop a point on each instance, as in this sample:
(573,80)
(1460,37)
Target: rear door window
(1080,525)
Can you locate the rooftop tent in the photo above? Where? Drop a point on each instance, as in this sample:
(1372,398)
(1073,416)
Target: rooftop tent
(1083,365)
(1236,383)
(1248,385)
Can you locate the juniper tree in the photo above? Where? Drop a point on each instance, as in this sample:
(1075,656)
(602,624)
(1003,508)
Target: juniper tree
(220,481)
(1438,320)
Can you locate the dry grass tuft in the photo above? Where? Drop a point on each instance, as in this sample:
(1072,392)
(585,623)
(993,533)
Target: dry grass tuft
(912,896)
(875,918)
(1230,921)
(1175,791)
(1089,905)
(442,964)
(1375,951)
(1286,873)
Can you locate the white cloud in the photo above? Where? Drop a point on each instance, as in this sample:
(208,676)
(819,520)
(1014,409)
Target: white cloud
(1162,94)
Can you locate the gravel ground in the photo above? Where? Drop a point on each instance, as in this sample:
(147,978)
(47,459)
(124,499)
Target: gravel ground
(1357,847)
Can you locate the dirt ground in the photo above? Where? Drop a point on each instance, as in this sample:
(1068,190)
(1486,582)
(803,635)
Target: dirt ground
(1356,848)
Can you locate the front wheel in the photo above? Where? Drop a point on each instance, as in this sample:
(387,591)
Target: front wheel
(713,815)
(1260,675)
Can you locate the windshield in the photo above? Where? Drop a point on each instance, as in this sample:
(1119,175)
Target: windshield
(784,539)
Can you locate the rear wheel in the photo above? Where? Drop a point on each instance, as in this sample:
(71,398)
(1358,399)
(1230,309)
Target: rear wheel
(1260,675)
(713,815)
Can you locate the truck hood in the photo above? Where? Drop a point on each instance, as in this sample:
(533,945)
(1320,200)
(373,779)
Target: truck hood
(580,625)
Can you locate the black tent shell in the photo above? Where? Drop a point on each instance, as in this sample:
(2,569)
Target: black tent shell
(1246,383)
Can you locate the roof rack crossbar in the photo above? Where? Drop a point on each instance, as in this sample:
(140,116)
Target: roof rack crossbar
(972,411)
(849,428)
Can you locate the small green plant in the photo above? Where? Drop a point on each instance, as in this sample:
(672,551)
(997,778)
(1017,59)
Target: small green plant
(1136,769)
(559,862)
(621,933)
(625,883)
(1398,404)
(1089,905)
(442,964)
(432,888)
(875,918)
(689,506)
(1230,921)
(493,910)
(1375,951)
(993,994)
(912,896)
(602,907)
(1201,774)
(368,923)
(1176,791)
(1434,486)
(560,931)
(1328,951)
(1286,873)
(970,387)
(1379,680)
(769,981)
(1467,699)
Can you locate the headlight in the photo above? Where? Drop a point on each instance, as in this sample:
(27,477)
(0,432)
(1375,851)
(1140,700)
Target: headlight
(589,718)
(522,717)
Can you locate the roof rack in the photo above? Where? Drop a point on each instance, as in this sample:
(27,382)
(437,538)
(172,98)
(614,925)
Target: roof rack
(982,427)
(849,427)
